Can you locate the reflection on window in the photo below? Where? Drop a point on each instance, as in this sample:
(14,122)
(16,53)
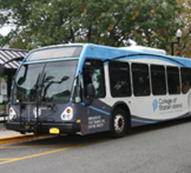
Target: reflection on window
(26,83)
(54,84)
(140,79)
(186,79)
(119,79)
(93,73)
(57,81)
(158,80)
(173,80)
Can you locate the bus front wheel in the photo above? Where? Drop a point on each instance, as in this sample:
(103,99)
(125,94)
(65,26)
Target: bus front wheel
(118,123)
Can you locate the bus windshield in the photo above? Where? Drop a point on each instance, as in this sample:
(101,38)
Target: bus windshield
(45,82)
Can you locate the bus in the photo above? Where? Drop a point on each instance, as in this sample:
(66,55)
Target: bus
(88,88)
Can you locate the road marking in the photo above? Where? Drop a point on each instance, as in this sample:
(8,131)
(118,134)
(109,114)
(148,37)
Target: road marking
(48,152)
(5,159)
(33,146)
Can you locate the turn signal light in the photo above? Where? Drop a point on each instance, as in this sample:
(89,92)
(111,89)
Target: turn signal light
(68,110)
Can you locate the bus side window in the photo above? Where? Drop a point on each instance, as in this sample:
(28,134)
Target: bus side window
(119,79)
(173,80)
(186,79)
(140,79)
(158,80)
(93,73)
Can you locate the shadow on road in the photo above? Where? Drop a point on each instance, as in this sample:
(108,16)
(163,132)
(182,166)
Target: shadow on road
(93,138)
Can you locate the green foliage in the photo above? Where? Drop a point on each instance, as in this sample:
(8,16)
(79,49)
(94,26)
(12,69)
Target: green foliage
(184,49)
(107,22)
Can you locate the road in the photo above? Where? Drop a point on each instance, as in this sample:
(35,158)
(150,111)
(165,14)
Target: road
(160,149)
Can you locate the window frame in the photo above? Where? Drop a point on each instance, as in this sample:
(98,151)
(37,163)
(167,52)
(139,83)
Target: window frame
(181,71)
(128,74)
(167,75)
(102,72)
(149,79)
(165,82)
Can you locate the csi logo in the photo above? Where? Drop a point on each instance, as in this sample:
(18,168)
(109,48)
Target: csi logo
(155,105)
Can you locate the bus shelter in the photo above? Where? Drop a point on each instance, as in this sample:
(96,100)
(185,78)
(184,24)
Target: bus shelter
(6,80)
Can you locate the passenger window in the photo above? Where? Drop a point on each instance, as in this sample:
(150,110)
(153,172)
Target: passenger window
(93,73)
(140,79)
(158,80)
(119,79)
(173,80)
(186,79)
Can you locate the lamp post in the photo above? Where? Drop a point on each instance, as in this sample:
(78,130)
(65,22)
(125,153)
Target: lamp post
(178,35)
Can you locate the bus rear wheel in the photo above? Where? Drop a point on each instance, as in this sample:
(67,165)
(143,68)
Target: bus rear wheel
(118,123)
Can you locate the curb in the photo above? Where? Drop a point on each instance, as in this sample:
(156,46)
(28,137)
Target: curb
(22,138)
(15,136)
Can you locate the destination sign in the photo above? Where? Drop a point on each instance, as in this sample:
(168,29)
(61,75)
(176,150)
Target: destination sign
(54,53)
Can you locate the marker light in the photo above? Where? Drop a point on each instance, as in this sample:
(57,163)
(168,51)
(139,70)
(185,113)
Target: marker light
(67,114)
(11,113)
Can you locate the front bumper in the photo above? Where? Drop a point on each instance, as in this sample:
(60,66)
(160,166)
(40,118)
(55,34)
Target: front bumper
(44,128)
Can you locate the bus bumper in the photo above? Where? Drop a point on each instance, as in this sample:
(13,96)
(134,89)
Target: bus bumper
(45,128)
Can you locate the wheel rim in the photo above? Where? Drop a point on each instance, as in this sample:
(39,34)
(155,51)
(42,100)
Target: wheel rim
(119,123)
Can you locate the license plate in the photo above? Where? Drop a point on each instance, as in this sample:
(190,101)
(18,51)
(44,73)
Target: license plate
(54,131)
(27,127)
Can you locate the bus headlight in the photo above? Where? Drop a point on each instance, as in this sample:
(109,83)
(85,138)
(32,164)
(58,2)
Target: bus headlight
(12,113)
(67,114)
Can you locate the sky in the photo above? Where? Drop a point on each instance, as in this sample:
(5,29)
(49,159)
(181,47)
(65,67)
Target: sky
(6,29)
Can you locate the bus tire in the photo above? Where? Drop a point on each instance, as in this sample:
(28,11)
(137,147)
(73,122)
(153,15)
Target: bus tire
(118,123)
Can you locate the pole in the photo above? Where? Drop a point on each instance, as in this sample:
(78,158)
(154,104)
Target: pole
(172,48)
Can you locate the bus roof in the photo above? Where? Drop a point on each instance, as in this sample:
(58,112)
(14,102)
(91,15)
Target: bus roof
(145,49)
(109,53)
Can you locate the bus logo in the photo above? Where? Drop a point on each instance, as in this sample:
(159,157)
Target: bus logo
(155,105)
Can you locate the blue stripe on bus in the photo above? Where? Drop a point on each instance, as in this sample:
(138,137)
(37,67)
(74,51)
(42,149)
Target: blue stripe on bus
(83,103)
(135,120)
(96,109)
(144,121)
(99,110)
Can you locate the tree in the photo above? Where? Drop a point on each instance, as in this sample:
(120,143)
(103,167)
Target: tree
(108,22)
(185,17)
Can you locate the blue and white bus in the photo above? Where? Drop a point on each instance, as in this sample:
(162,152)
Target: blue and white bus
(88,88)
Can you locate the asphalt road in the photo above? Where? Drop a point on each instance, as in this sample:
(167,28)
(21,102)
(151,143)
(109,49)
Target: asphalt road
(165,149)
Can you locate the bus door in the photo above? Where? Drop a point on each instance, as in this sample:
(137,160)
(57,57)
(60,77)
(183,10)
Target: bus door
(96,116)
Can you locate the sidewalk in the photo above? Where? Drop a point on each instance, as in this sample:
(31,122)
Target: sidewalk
(4,133)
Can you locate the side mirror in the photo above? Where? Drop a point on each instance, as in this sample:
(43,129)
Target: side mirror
(90,94)
(90,90)
(2,70)
(2,67)
(21,80)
